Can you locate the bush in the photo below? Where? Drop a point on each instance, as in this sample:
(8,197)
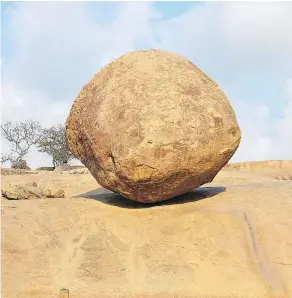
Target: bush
(19,164)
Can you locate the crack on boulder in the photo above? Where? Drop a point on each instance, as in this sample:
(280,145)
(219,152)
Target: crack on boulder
(143,165)
(113,159)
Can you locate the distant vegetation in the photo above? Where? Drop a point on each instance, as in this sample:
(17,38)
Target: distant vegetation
(53,142)
(24,135)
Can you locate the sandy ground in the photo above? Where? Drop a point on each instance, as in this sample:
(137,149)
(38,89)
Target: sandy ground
(230,238)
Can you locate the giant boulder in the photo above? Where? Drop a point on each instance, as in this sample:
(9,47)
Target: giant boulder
(151,125)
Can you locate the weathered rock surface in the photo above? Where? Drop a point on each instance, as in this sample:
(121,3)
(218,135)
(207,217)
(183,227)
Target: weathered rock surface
(151,126)
(39,184)
(29,191)
(231,238)
(278,169)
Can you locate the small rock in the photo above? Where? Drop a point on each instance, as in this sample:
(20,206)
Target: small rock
(29,191)
(63,167)
(64,293)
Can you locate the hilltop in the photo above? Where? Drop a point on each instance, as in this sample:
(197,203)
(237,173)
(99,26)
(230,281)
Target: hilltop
(229,238)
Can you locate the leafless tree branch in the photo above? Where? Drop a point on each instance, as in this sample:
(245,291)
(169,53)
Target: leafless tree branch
(53,142)
(21,136)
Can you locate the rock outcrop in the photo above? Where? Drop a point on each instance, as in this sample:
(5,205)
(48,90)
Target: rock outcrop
(207,243)
(151,126)
(29,191)
(63,167)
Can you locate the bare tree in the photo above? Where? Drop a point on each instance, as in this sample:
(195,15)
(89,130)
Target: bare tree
(5,157)
(21,136)
(53,142)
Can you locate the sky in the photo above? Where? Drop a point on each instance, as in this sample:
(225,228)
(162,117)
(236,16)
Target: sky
(49,50)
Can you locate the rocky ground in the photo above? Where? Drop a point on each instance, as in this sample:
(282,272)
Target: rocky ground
(229,238)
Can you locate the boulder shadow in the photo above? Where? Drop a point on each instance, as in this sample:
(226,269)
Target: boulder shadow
(108,197)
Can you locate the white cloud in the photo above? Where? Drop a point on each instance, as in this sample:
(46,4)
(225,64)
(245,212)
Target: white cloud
(257,30)
(58,46)
(21,104)
(265,137)
(284,127)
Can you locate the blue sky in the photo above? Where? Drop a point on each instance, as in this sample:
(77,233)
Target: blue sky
(51,49)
